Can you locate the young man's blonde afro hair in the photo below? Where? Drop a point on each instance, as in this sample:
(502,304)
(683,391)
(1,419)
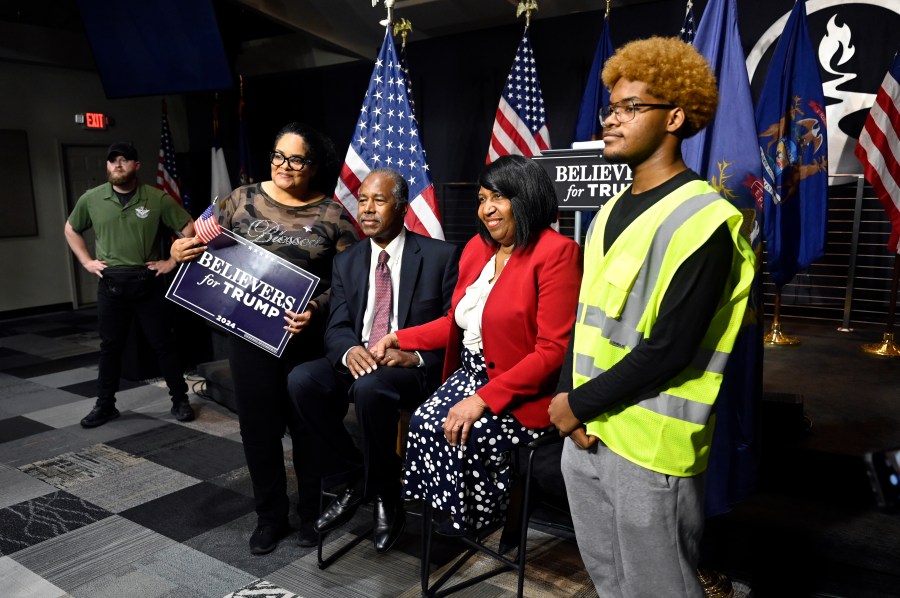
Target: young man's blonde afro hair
(673,71)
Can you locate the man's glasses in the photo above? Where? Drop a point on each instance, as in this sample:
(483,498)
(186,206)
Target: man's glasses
(625,111)
(293,162)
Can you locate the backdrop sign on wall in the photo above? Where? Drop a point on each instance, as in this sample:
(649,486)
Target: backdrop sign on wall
(855,42)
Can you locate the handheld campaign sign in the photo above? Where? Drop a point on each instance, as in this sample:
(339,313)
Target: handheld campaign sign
(243,289)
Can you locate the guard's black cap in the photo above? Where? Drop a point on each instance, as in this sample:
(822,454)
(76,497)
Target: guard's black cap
(122,148)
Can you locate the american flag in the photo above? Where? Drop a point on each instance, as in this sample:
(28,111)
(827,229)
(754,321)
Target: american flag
(387,135)
(520,126)
(878,149)
(166,175)
(687,28)
(206,227)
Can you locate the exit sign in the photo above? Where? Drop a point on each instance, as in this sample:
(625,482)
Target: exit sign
(93,120)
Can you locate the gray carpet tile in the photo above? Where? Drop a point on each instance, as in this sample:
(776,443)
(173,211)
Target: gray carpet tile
(67,377)
(261,588)
(362,573)
(25,397)
(19,582)
(16,487)
(42,446)
(190,511)
(78,557)
(11,360)
(127,424)
(72,469)
(14,428)
(228,543)
(189,451)
(34,521)
(237,480)
(42,327)
(132,486)
(40,366)
(88,388)
(213,418)
(65,415)
(48,348)
(175,570)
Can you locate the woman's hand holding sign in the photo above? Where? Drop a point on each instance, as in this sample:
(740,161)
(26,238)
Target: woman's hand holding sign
(186,249)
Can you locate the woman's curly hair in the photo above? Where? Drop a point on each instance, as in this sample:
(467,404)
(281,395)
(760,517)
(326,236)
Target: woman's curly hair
(673,71)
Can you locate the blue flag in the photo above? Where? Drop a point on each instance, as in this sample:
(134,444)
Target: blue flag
(596,96)
(726,153)
(790,119)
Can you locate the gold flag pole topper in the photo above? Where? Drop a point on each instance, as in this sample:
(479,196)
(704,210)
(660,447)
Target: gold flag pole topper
(402,28)
(528,7)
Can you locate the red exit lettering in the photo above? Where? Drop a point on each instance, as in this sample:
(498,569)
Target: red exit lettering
(95,120)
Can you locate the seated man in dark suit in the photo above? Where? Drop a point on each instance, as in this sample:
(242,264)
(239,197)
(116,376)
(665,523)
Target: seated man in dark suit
(394,280)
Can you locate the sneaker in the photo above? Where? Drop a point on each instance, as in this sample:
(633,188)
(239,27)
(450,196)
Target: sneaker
(182,411)
(99,415)
(266,537)
(307,536)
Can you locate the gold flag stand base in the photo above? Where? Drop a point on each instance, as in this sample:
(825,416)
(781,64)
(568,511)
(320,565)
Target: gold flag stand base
(776,337)
(886,348)
(715,585)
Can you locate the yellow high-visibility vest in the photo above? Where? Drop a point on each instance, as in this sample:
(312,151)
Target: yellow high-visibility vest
(619,302)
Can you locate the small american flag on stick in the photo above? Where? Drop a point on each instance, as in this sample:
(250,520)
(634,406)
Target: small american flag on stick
(206,227)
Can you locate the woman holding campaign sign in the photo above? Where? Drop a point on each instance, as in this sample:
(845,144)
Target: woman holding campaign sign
(294,216)
(505,337)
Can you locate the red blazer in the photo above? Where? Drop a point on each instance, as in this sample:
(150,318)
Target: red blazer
(526,324)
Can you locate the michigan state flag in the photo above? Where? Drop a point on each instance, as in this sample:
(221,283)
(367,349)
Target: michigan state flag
(726,153)
(793,143)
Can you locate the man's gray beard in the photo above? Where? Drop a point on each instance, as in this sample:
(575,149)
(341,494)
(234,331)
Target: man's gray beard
(120,179)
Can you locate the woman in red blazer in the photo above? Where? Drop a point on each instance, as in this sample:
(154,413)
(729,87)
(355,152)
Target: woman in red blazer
(505,336)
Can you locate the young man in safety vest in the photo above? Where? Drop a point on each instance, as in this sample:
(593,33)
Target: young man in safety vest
(666,280)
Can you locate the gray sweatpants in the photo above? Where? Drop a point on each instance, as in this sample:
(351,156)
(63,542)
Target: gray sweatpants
(638,531)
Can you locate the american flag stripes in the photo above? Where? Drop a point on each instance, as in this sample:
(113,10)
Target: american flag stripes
(878,149)
(206,227)
(520,126)
(166,174)
(387,135)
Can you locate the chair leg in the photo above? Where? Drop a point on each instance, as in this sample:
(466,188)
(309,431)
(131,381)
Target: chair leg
(526,517)
(427,527)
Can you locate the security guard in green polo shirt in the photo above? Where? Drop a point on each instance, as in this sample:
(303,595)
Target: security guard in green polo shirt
(666,279)
(126,217)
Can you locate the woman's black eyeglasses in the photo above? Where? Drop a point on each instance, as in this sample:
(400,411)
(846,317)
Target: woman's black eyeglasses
(293,162)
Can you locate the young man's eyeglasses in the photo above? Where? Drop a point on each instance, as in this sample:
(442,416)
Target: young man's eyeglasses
(293,162)
(624,111)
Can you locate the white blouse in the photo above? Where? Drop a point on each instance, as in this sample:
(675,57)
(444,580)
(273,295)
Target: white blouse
(471,307)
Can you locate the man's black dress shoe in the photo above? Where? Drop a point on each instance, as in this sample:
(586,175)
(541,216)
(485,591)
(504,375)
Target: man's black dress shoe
(389,522)
(341,509)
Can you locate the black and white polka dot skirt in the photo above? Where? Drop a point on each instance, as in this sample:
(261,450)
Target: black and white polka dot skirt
(471,481)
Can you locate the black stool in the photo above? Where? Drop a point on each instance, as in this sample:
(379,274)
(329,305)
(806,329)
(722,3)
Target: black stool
(515,529)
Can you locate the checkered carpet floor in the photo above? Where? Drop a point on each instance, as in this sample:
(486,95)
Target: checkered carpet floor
(146,506)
